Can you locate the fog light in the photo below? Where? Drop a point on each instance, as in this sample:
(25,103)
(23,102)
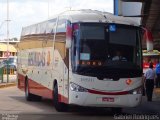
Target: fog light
(136,91)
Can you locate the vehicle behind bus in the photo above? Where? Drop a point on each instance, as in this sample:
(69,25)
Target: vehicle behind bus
(12,63)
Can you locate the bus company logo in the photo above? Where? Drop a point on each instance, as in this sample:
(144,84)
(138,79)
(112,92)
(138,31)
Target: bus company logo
(129,82)
(39,59)
(48,58)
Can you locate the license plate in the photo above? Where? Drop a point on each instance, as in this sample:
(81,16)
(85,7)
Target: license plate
(107,99)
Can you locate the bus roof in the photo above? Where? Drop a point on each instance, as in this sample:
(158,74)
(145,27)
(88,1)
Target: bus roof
(77,16)
(97,16)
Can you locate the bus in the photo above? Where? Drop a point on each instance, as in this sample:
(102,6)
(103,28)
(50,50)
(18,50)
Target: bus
(69,59)
(150,56)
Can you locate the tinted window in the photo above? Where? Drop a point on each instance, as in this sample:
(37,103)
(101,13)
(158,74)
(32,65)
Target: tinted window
(123,36)
(92,32)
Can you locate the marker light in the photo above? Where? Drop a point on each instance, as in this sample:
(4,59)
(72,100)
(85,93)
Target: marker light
(94,63)
(99,63)
(88,63)
(68,34)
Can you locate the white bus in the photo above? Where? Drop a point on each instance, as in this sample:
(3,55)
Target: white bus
(70,59)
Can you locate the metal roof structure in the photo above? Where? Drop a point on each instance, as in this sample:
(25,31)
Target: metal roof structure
(151,19)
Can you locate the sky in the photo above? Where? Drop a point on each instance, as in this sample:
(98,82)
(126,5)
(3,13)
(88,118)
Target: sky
(27,12)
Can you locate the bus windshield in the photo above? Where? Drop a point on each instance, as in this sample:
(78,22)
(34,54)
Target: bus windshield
(101,49)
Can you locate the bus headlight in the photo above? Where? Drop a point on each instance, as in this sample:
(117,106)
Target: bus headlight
(136,91)
(77,88)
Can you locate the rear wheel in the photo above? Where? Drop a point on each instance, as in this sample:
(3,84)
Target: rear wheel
(60,107)
(28,95)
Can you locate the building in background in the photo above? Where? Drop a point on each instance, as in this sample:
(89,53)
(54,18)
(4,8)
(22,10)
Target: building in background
(3,50)
(147,11)
(12,41)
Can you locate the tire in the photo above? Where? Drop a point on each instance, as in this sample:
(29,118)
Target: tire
(28,95)
(60,107)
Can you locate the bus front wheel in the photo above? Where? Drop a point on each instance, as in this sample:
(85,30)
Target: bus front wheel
(60,107)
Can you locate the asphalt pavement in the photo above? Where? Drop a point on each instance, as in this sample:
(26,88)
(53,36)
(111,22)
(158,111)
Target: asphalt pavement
(13,106)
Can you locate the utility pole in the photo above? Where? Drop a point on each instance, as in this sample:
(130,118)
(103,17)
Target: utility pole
(48,9)
(70,5)
(7,40)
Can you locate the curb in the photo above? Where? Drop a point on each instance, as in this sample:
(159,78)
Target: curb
(4,85)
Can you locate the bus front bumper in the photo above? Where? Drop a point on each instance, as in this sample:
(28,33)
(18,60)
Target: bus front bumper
(95,100)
